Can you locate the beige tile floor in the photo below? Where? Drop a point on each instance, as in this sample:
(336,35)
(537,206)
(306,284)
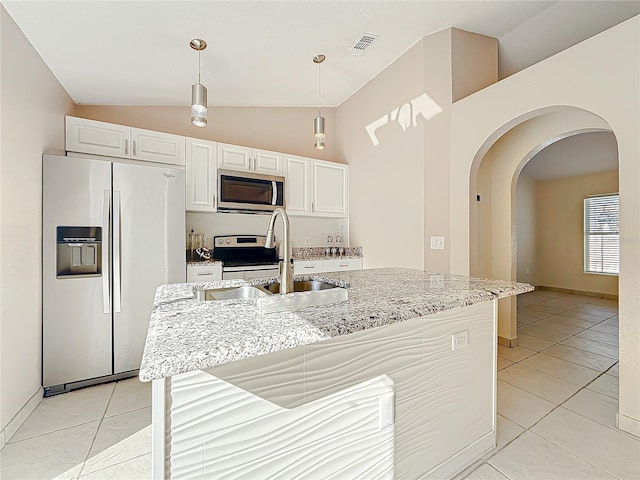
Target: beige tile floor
(557,403)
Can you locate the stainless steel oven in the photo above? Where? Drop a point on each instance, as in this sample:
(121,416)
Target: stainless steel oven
(247,192)
(244,256)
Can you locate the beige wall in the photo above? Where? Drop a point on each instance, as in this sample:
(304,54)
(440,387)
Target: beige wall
(32,109)
(288,130)
(526,230)
(607,69)
(399,187)
(560,240)
(386,201)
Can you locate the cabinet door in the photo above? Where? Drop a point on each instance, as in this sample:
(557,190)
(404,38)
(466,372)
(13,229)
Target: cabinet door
(329,189)
(201,175)
(204,273)
(297,185)
(98,138)
(301,267)
(340,265)
(234,157)
(157,146)
(267,162)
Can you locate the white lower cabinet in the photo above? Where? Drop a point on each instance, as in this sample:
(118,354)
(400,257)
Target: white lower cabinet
(204,273)
(302,267)
(307,266)
(339,265)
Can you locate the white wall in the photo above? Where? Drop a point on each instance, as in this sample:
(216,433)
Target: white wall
(600,75)
(32,109)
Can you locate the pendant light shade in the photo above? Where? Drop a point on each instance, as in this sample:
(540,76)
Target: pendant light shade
(318,122)
(198,91)
(199,105)
(318,133)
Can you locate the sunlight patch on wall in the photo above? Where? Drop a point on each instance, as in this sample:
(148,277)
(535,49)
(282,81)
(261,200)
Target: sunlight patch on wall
(406,115)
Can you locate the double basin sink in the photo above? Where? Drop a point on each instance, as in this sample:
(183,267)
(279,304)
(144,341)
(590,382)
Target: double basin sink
(306,293)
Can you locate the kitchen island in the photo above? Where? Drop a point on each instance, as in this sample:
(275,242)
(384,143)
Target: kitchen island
(396,382)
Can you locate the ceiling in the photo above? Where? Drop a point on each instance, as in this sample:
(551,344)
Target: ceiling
(260,52)
(580,154)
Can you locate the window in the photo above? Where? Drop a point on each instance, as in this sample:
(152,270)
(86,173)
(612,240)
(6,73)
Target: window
(602,234)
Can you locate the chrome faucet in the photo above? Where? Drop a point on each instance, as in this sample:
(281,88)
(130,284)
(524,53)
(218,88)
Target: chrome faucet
(286,270)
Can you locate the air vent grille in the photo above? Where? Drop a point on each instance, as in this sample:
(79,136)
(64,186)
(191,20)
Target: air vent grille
(361,45)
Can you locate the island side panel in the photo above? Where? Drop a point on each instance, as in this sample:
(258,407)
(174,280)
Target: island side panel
(160,408)
(444,400)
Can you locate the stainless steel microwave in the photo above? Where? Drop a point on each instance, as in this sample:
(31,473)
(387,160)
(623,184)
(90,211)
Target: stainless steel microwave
(247,192)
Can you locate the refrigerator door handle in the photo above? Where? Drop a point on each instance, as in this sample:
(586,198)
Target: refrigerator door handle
(106,300)
(117,277)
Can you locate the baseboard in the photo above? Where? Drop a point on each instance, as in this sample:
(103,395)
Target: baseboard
(508,342)
(18,419)
(464,458)
(628,424)
(577,292)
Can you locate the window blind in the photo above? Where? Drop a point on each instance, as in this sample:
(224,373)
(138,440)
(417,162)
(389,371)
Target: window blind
(602,234)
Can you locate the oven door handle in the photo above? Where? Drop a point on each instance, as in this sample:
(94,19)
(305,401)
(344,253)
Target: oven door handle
(274,197)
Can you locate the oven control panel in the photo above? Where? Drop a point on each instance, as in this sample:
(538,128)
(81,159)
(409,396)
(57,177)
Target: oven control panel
(240,241)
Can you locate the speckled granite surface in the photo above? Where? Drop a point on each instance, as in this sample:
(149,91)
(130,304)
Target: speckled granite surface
(186,334)
(203,262)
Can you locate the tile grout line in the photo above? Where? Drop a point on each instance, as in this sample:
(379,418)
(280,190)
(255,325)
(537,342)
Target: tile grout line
(84,462)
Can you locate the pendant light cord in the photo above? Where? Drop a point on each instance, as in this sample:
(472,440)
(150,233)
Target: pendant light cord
(199,65)
(319,87)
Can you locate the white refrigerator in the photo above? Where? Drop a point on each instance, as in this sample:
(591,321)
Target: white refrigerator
(112,233)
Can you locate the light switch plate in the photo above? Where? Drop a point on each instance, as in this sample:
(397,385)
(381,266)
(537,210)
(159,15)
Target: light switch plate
(437,243)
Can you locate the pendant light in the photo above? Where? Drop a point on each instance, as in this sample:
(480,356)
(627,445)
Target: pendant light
(318,122)
(198,91)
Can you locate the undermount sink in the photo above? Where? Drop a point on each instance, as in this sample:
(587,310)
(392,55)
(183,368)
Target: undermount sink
(231,293)
(302,286)
(309,293)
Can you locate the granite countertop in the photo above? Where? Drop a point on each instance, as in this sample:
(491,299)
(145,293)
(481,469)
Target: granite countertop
(186,334)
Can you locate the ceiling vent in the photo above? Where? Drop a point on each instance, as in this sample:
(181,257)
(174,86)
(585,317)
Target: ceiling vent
(362,44)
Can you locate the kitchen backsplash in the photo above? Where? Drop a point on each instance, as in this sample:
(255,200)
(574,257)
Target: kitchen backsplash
(305,231)
(321,253)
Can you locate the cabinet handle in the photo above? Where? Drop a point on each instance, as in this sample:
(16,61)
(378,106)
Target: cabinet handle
(310,266)
(214,200)
(134,148)
(312,208)
(204,274)
(126,147)
(344,264)
(255,164)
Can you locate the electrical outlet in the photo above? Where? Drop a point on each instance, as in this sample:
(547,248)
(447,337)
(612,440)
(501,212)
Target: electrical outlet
(387,410)
(459,340)
(437,243)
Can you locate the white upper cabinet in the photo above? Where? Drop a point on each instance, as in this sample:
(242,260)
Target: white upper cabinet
(201,175)
(98,138)
(112,140)
(315,187)
(297,185)
(235,157)
(157,146)
(267,162)
(329,185)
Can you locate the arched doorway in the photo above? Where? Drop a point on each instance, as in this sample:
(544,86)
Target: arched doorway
(492,185)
